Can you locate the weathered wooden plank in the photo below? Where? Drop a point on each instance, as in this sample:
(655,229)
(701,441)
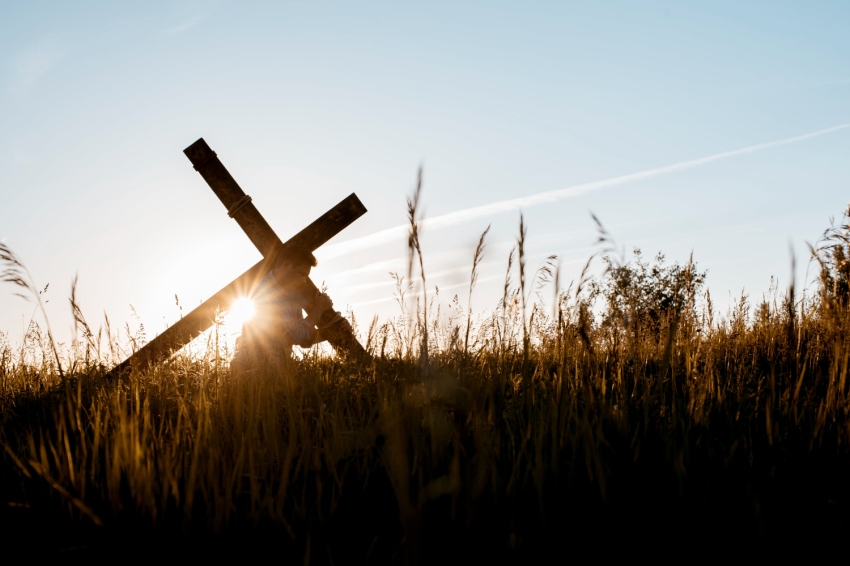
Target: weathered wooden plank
(329,224)
(231,195)
(203,317)
(197,321)
(240,208)
(338,333)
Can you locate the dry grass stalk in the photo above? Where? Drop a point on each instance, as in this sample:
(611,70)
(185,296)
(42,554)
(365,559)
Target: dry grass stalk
(538,426)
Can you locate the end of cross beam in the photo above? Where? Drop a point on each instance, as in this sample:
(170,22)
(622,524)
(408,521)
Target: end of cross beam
(199,153)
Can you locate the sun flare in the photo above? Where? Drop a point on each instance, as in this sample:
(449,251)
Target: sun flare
(240,312)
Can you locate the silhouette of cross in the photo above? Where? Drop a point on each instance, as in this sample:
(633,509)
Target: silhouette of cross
(239,206)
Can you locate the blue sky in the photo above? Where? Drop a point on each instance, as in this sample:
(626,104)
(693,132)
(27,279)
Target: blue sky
(307,102)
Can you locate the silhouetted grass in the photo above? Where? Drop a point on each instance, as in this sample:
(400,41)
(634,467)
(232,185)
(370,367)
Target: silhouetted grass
(627,417)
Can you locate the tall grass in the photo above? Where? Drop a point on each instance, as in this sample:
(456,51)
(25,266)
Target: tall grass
(627,414)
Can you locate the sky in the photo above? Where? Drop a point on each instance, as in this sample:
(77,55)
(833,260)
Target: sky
(720,129)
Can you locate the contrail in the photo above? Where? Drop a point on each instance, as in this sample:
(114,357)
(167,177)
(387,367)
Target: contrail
(461,216)
(419,293)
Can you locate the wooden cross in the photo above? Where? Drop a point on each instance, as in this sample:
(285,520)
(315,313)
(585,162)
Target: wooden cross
(333,326)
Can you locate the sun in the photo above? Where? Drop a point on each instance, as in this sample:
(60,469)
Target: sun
(240,312)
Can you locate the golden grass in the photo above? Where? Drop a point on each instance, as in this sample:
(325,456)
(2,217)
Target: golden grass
(541,428)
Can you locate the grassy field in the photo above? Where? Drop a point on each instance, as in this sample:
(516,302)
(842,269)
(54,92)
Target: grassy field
(627,417)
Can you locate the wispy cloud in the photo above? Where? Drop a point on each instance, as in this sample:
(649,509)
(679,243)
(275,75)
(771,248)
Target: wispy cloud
(462,216)
(788,85)
(444,280)
(834,82)
(187,25)
(419,293)
(388,282)
(29,65)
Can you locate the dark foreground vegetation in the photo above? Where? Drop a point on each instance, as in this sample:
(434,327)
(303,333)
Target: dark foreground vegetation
(629,418)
